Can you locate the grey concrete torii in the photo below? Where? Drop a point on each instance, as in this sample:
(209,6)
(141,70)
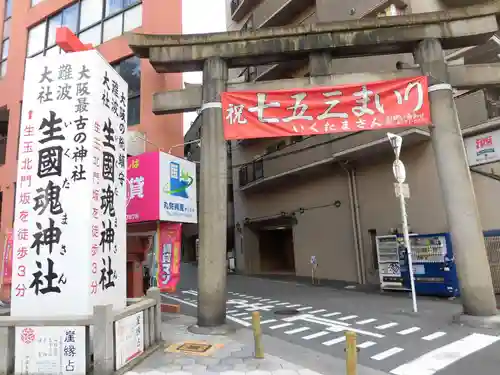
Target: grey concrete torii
(425,35)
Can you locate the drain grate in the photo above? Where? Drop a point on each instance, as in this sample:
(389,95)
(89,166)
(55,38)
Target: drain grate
(286,312)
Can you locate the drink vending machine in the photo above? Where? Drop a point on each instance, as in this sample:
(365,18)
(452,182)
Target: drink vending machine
(434,267)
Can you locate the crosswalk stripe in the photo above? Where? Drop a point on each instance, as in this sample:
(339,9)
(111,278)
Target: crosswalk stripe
(273,301)
(388,325)
(265,300)
(316,311)
(282,303)
(334,341)
(248,318)
(280,325)
(386,354)
(231,311)
(366,321)
(296,305)
(366,344)
(331,314)
(315,335)
(240,314)
(268,321)
(438,359)
(304,308)
(348,317)
(297,330)
(434,336)
(408,331)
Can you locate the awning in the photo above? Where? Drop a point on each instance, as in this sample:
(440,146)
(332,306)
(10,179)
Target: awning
(272,223)
(380,146)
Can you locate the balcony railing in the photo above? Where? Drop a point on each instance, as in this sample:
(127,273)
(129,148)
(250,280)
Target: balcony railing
(240,8)
(251,172)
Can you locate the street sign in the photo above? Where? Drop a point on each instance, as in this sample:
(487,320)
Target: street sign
(399,170)
(405,188)
(396,142)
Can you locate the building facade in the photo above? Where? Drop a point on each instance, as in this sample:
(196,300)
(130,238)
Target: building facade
(28,31)
(330,196)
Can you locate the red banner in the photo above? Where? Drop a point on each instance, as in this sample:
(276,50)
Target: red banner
(168,256)
(325,110)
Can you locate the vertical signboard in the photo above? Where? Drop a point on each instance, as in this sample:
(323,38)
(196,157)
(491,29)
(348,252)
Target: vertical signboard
(69,228)
(129,339)
(50,350)
(177,190)
(168,256)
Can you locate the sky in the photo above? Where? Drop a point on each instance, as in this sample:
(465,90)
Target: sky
(201,16)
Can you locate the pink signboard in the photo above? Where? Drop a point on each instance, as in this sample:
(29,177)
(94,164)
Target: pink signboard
(143,187)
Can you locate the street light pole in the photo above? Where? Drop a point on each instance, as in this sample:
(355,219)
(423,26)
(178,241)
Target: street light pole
(399,171)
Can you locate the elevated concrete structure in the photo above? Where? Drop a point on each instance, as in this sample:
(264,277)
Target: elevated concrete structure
(462,77)
(425,35)
(456,28)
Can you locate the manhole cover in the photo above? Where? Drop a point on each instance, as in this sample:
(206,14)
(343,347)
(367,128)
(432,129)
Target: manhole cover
(286,312)
(191,347)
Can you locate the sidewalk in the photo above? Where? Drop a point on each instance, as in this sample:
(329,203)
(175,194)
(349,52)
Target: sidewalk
(233,355)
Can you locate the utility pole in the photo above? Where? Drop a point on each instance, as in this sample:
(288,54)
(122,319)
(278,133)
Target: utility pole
(213,199)
(466,232)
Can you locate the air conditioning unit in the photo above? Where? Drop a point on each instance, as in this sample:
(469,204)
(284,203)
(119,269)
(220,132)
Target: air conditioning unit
(136,143)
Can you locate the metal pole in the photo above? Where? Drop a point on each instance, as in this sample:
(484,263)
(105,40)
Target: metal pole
(213,199)
(406,236)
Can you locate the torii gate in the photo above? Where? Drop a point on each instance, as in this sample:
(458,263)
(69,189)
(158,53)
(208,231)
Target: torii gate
(425,35)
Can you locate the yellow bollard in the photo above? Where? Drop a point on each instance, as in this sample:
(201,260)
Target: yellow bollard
(351,353)
(257,334)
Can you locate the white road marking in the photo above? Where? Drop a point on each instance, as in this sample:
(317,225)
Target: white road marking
(248,318)
(231,311)
(355,330)
(265,300)
(387,354)
(388,325)
(282,303)
(317,334)
(304,308)
(366,344)
(334,341)
(434,336)
(438,359)
(366,321)
(192,292)
(297,330)
(236,320)
(274,301)
(331,314)
(280,325)
(408,331)
(348,317)
(268,321)
(296,305)
(316,311)
(240,314)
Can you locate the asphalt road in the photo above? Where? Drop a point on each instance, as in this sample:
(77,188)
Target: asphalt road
(390,337)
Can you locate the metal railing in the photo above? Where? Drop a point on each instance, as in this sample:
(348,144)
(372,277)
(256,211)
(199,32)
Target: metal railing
(234,5)
(100,350)
(492,242)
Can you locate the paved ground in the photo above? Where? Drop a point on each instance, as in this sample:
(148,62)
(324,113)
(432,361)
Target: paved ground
(233,355)
(390,337)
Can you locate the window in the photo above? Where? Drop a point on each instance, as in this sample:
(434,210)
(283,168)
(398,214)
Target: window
(5,37)
(130,70)
(94,21)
